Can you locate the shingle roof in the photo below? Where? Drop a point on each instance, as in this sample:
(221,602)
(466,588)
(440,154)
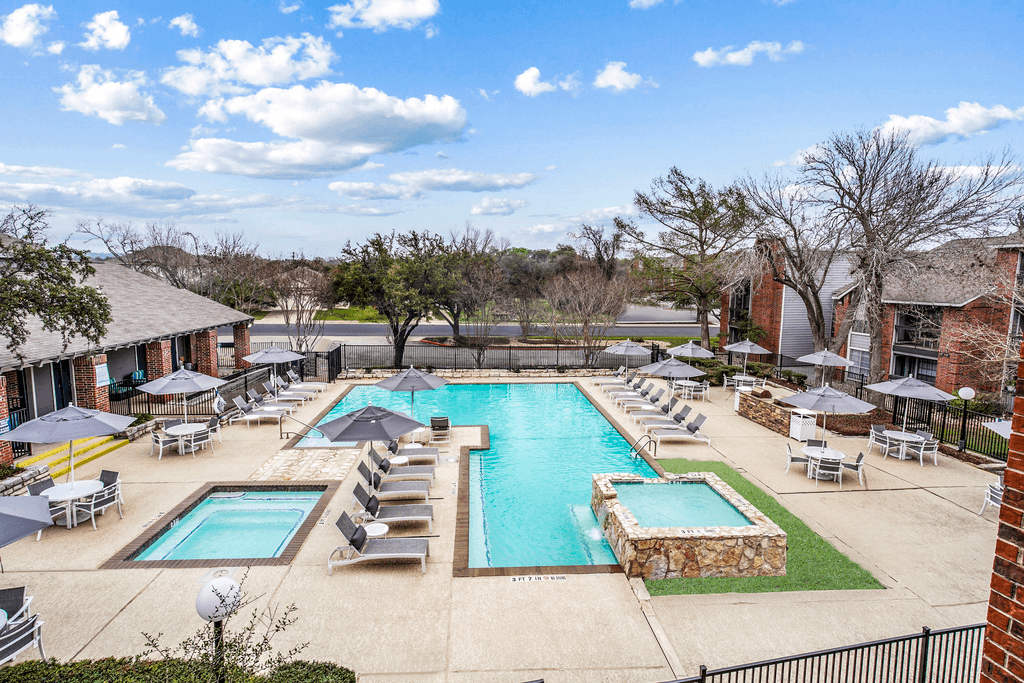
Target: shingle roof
(143,309)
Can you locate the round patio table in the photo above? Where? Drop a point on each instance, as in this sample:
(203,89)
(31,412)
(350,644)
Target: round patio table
(903,438)
(376,530)
(399,460)
(183,430)
(66,493)
(818,454)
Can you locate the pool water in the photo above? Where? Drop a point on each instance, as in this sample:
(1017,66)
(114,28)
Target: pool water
(530,492)
(251,524)
(681,504)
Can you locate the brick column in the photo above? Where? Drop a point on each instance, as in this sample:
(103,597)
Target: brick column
(206,352)
(242,347)
(6,451)
(1003,656)
(87,393)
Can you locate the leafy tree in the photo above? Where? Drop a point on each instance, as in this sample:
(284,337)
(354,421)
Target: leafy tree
(43,281)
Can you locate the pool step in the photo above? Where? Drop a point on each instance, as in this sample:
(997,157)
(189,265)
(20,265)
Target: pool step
(52,452)
(90,452)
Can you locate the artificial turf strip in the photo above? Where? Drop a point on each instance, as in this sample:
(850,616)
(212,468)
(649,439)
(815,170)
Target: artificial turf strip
(812,563)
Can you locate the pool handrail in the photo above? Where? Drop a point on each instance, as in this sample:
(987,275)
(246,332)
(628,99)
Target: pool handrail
(281,432)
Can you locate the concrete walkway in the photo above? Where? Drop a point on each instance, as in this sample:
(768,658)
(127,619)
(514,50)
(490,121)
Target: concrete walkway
(916,529)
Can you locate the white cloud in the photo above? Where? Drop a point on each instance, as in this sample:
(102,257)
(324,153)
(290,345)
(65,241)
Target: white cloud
(56,47)
(615,76)
(117,145)
(497,206)
(542,228)
(598,215)
(106,191)
(288,9)
(380,15)
(374,190)
(441,155)
(571,83)
(41,171)
(186,24)
(329,128)
(231,62)
(550,168)
(796,158)
(21,27)
(105,31)
(964,120)
(430,31)
(529,83)
(745,57)
(453,179)
(643,4)
(99,94)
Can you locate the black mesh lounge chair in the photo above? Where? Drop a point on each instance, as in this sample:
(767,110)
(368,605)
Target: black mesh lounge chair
(394,490)
(422,454)
(19,636)
(626,386)
(642,403)
(664,410)
(691,431)
(359,547)
(677,420)
(637,390)
(619,383)
(371,511)
(16,603)
(260,402)
(440,430)
(410,472)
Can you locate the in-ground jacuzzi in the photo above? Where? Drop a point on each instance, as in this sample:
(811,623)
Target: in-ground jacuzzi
(689,525)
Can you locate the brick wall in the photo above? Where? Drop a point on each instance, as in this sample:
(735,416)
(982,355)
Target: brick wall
(158,364)
(1003,655)
(6,451)
(765,413)
(241,335)
(206,352)
(87,394)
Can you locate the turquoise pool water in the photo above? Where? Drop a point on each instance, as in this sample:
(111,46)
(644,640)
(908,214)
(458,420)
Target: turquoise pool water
(682,504)
(235,525)
(530,493)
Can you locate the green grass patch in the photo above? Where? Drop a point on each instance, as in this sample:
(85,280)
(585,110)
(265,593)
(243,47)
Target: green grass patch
(812,563)
(354,314)
(259,315)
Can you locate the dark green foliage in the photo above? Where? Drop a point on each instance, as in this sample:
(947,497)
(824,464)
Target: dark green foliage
(9,471)
(141,418)
(166,671)
(311,672)
(760,369)
(796,378)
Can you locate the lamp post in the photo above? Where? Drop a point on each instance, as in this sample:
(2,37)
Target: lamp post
(217,601)
(965,393)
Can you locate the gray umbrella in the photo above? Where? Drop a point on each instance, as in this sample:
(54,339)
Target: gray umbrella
(746,347)
(68,424)
(825,358)
(908,387)
(275,355)
(1000,427)
(371,423)
(22,516)
(672,368)
(412,380)
(828,400)
(690,350)
(181,382)
(627,349)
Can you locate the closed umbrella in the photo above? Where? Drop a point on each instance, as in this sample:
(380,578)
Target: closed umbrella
(746,347)
(690,350)
(68,424)
(627,349)
(825,358)
(182,382)
(908,387)
(412,380)
(828,400)
(22,516)
(275,355)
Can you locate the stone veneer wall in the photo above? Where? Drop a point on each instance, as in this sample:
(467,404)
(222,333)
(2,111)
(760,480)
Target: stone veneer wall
(670,553)
(764,412)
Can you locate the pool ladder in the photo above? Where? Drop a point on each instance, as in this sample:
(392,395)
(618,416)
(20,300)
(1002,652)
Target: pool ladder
(282,433)
(645,441)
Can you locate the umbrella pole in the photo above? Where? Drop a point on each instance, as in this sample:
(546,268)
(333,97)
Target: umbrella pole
(71,451)
(412,404)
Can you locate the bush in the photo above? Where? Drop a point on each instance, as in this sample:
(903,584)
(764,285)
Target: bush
(562,369)
(9,471)
(141,418)
(760,369)
(796,378)
(126,670)
(311,672)
(717,373)
(637,340)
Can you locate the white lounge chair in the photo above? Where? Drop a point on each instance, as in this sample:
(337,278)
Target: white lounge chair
(300,383)
(415,453)
(258,400)
(370,510)
(662,411)
(248,413)
(690,431)
(615,377)
(278,395)
(675,421)
(292,389)
(440,430)
(359,548)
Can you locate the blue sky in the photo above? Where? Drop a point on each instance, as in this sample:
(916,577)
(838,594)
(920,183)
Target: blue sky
(306,125)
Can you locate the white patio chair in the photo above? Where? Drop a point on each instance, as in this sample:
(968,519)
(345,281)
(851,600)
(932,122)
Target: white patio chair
(793,459)
(856,466)
(162,441)
(19,636)
(993,496)
(827,467)
(99,502)
(214,425)
(200,439)
(57,510)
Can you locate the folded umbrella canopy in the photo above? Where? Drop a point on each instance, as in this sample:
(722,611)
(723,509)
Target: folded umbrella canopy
(68,424)
(22,516)
(908,387)
(828,400)
(690,350)
(182,382)
(746,347)
(412,380)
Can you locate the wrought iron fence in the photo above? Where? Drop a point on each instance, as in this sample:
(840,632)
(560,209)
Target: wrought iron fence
(491,358)
(950,655)
(949,423)
(15,418)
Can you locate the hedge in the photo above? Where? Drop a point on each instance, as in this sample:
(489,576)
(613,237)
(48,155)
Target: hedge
(127,670)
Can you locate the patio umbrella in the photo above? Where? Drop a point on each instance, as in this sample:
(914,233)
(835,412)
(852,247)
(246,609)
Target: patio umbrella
(1000,427)
(690,350)
(275,355)
(22,516)
(746,347)
(627,349)
(908,387)
(412,380)
(672,369)
(828,400)
(827,359)
(371,423)
(68,424)
(182,382)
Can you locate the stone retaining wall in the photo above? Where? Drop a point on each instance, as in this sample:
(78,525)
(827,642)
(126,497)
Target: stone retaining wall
(18,484)
(669,553)
(764,412)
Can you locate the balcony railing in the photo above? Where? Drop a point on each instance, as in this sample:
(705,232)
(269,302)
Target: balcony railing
(916,336)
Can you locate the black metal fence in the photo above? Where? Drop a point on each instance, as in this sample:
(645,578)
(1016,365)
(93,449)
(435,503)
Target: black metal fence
(15,418)
(949,423)
(490,358)
(951,655)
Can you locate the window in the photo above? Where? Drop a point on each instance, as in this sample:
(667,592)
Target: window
(861,363)
(924,369)
(919,327)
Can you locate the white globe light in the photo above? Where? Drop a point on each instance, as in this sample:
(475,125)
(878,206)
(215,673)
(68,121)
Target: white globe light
(218,599)
(966,393)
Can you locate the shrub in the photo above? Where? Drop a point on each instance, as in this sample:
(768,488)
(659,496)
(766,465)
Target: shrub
(562,369)
(141,418)
(795,377)
(9,471)
(637,340)
(760,369)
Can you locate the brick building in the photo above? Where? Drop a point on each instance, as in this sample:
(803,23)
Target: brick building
(155,328)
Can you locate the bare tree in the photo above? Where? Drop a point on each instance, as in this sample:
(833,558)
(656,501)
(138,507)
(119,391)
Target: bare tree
(891,202)
(301,289)
(485,296)
(585,303)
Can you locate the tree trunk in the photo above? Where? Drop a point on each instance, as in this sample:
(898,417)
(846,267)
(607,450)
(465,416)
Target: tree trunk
(702,318)
(400,340)
(874,306)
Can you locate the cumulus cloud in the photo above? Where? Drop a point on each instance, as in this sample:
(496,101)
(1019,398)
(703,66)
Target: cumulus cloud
(745,57)
(105,191)
(453,179)
(105,31)
(233,62)
(380,15)
(98,93)
(570,83)
(529,83)
(186,24)
(21,27)
(41,171)
(288,9)
(329,128)
(374,190)
(615,77)
(497,206)
(964,120)
(542,228)
(56,47)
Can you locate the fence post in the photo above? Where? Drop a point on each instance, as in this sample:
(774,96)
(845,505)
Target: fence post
(510,356)
(556,355)
(922,666)
(703,673)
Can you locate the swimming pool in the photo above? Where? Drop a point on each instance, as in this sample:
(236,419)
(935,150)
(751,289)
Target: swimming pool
(681,504)
(530,492)
(236,524)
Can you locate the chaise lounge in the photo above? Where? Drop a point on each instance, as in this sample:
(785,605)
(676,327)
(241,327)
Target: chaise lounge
(359,548)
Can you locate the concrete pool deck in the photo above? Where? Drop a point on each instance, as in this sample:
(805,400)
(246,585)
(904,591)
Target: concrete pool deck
(916,529)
